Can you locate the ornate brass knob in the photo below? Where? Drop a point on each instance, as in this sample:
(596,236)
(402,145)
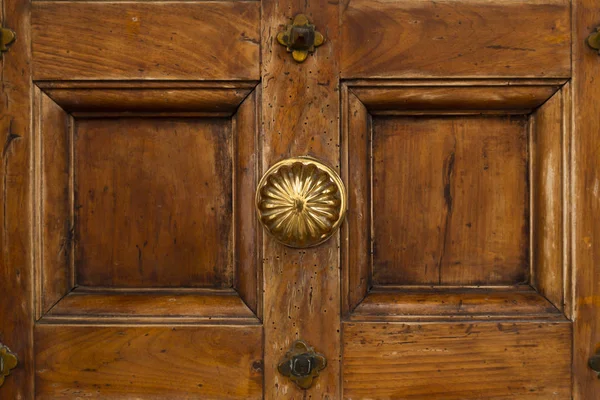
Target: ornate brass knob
(594,363)
(300,38)
(301,202)
(302,364)
(8,361)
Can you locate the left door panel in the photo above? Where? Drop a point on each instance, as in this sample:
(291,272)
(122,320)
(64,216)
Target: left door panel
(144,143)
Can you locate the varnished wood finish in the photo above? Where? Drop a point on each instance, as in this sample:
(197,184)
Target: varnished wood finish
(465,132)
(247,279)
(140,362)
(150,99)
(144,305)
(410,303)
(16,214)
(549,146)
(509,120)
(356,234)
(302,287)
(513,98)
(477,38)
(180,40)
(452,361)
(146,147)
(586,200)
(183,219)
(53,161)
(453,209)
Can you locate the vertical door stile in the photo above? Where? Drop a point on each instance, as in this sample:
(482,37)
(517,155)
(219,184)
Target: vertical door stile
(300,117)
(586,206)
(16,309)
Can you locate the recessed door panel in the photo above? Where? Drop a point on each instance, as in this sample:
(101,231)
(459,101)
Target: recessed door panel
(153,202)
(450,200)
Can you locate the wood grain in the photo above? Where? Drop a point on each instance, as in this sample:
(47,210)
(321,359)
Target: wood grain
(356,172)
(547,143)
(153,202)
(247,230)
(515,98)
(53,155)
(172,306)
(148,362)
(16,213)
(144,99)
(123,40)
(454,208)
(585,207)
(410,303)
(474,38)
(495,360)
(300,116)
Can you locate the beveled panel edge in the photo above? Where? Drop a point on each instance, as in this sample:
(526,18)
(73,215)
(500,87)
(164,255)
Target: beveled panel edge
(550,172)
(405,303)
(250,90)
(148,98)
(247,254)
(454,96)
(350,90)
(124,306)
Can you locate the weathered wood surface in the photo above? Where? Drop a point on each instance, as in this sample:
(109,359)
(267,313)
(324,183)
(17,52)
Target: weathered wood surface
(454,208)
(585,206)
(549,149)
(209,362)
(153,202)
(300,116)
(455,361)
(455,97)
(53,181)
(409,304)
(95,305)
(356,170)
(16,307)
(139,40)
(475,38)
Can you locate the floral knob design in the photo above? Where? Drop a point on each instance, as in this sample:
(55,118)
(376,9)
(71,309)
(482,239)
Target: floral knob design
(302,364)
(7,362)
(301,202)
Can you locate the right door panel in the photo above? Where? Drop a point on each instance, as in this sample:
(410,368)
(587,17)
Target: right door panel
(455,142)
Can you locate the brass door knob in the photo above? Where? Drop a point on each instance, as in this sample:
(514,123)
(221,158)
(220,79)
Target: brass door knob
(301,202)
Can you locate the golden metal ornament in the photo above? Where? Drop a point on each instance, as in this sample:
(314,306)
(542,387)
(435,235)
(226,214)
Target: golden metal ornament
(301,202)
(302,364)
(300,38)
(594,40)
(7,37)
(8,361)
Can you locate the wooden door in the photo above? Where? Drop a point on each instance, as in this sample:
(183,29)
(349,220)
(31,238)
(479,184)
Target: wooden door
(135,136)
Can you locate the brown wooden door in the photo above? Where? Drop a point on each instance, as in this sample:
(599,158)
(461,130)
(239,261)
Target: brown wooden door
(135,135)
